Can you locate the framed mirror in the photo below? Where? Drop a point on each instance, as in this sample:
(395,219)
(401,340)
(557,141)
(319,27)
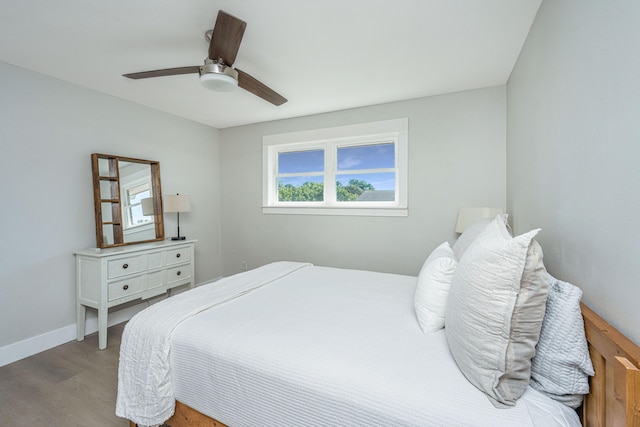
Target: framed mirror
(128,200)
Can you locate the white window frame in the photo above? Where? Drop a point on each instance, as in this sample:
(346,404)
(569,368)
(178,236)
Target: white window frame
(127,206)
(388,131)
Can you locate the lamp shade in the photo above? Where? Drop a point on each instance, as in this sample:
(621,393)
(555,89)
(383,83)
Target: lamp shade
(177,203)
(147,206)
(468,216)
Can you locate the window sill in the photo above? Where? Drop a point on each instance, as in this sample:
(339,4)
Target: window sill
(137,226)
(335,211)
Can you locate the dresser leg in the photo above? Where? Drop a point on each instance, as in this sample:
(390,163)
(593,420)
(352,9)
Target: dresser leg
(102,328)
(81,311)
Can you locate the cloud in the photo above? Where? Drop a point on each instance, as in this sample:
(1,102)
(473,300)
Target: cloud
(349,162)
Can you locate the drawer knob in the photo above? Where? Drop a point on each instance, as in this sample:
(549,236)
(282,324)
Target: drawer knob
(179,273)
(125,287)
(177,255)
(125,265)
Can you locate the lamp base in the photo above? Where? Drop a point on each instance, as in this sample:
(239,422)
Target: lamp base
(178,238)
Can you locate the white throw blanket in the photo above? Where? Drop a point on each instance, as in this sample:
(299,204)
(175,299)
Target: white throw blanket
(145,391)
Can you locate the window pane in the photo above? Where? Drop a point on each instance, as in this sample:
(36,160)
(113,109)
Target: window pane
(366,157)
(301,161)
(137,217)
(139,192)
(301,189)
(370,187)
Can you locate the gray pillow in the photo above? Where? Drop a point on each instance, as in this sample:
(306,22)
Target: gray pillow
(495,311)
(562,366)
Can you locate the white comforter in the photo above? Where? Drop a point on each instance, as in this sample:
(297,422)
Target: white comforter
(145,389)
(318,346)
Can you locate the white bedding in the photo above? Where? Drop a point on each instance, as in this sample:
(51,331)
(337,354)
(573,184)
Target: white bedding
(145,389)
(323,346)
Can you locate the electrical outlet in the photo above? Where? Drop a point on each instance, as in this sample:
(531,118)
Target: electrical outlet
(244,266)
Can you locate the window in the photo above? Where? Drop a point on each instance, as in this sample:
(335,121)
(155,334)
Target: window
(133,215)
(349,170)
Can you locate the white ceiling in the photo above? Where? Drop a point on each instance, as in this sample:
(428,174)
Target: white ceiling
(322,56)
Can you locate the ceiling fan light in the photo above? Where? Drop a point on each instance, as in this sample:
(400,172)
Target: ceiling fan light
(218,82)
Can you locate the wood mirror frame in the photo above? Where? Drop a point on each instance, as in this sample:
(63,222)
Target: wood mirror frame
(114,211)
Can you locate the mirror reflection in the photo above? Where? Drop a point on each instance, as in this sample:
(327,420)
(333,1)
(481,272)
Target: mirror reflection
(135,186)
(127,199)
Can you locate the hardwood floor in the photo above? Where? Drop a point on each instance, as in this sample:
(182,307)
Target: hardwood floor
(74,384)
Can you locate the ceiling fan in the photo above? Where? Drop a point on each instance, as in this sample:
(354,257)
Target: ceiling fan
(217,73)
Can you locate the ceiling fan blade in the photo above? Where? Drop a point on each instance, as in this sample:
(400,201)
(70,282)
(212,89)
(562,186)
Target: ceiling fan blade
(251,84)
(226,38)
(164,72)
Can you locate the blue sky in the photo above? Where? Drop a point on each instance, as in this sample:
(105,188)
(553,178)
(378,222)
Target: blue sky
(349,159)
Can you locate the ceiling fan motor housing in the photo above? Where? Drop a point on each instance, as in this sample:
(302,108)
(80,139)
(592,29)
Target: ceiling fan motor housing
(215,75)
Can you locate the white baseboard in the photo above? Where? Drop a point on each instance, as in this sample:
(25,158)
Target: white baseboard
(34,345)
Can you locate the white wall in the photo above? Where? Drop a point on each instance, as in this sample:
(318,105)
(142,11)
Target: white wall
(573,149)
(48,129)
(457,158)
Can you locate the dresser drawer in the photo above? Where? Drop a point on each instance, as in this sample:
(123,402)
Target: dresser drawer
(179,274)
(126,287)
(123,266)
(110,277)
(178,256)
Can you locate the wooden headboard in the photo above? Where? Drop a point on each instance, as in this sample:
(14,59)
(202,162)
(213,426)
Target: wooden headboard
(614,396)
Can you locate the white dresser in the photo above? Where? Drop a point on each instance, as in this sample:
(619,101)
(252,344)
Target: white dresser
(113,276)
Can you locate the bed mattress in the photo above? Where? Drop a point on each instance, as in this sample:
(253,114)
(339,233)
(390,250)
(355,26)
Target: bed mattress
(325,346)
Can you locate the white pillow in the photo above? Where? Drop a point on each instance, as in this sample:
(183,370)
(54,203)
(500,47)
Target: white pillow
(495,311)
(562,366)
(432,290)
(468,236)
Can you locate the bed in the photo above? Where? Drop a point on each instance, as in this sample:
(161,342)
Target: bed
(296,344)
